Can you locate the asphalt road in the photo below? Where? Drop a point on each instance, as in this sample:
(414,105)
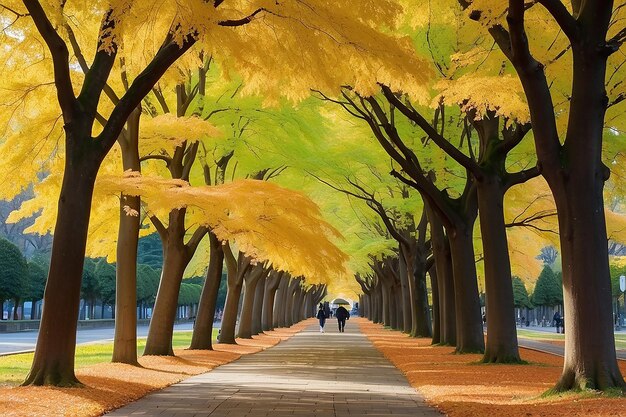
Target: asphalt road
(25,341)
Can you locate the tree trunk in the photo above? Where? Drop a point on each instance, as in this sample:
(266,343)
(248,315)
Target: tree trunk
(125,314)
(422,309)
(501,331)
(432,272)
(250,283)
(231,308)
(407,266)
(405,293)
(53,363)
(161,329)
(257,310)
(469,329)
(590,359)
(278,319)
(271,287)
(386,305)
(203,329)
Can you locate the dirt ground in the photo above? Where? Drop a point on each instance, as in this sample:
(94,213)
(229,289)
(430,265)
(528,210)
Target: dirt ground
(459,386)
(109,386)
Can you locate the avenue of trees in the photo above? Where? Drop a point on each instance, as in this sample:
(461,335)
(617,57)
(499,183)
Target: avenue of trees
(411,154)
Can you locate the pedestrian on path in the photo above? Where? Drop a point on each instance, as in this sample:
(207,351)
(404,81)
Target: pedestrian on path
(557,321)
(342,315)
(321,316)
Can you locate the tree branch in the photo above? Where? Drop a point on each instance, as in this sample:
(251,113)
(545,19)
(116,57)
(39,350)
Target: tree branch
(245,20)
(439,140)
(141,86)
(196,238)
(159,226)
(521,176)
(60,59)
(565,20)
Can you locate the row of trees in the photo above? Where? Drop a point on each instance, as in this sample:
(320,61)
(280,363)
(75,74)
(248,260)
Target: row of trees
(568,155)
(491,126)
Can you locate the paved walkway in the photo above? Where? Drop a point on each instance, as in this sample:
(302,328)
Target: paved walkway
(311,374)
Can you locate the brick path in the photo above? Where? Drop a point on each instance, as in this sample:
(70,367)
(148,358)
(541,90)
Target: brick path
(311,374)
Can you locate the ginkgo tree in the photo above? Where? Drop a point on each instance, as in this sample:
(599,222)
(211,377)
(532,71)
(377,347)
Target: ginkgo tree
(569,142)
(180,26)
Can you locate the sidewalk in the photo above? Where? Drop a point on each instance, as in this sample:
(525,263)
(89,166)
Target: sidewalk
(311,374)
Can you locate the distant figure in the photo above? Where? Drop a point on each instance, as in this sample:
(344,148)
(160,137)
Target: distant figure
(557,321)
(523,321)
(484,318)
(562,325)
(321,316)
(342,315)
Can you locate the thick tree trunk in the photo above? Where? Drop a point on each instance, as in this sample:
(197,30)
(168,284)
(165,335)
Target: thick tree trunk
(397,296)
(53,363)
(245,319)
(386,307)
(296,306)
(590,359)
(501,331)
(422,309)
(469,329)
(269,297)
(407,266)
(125,314)
(231,308)
(432,272)
(161,328)
(287,303)
(279,303)
(203,329)
(445,281)
(405,294)
(257,310)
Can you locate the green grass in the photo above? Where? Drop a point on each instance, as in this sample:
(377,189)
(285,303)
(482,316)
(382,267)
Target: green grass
(14,368)
(620,339)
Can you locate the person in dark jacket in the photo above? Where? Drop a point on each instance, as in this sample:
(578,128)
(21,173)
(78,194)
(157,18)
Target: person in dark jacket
(342,315)
(321,316)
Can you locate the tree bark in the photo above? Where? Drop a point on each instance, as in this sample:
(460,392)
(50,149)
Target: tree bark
(202,337)
(125,339)
(501,344)
(405,293)
(257,310)
(271,286)
(279,304)
(160,332)
(237,269)
(432,272)
(422,309)
(53,363)
(250,283)
(590,359)
(469,329)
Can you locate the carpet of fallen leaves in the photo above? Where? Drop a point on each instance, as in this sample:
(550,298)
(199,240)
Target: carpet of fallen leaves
(110,385)
(458,385)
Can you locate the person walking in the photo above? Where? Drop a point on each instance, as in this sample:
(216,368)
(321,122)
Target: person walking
(557,321)
(321,316)
(342,315)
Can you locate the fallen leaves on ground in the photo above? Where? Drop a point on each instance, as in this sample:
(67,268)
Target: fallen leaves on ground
(460,386)
(111,385)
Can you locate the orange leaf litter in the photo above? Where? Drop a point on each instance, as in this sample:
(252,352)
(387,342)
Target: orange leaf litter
(459,386)
(111,385)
